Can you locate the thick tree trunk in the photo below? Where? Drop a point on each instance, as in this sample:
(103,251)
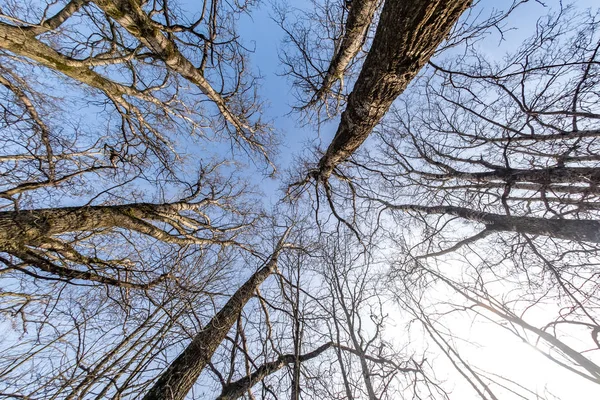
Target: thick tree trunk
(579,230)
(407,35)
(30,234)
(180,376)
(34,227)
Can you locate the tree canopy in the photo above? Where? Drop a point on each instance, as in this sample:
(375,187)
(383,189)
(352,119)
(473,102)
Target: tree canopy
(448,193)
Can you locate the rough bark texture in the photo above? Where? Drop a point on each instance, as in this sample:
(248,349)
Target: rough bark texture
(57,19)
(236,389)
(407,35)
(359,19)
(33,227)
(180,376)
(24,233)
(580,230)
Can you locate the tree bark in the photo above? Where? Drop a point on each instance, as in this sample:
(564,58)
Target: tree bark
(24,233)
(407,35)
(359,19)
(180,376)
(580,230)
(34,227)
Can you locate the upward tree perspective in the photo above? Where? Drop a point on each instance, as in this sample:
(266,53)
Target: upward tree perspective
(444,206)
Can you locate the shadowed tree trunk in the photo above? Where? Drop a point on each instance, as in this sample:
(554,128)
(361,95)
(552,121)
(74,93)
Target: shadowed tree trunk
(34,236)
(180,376)
(579,230)
(407,35)
(542,176)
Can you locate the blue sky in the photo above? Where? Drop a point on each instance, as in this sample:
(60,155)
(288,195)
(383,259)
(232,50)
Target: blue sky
(261,33)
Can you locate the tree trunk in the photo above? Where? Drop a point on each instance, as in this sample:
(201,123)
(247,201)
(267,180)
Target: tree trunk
(542,176)
(359,19)
(33,227)
(580,230)
(180,376)
(407,35)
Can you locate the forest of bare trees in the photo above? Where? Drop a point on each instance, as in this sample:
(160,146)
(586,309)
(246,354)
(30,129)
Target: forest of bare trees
(449,185)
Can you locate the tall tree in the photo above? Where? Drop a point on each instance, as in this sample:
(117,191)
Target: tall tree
(183,372)
(134,267)
(406,37)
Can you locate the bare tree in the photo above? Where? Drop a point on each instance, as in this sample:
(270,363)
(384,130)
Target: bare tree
(181,375)
(132,267)
(52,240)
(398,52)
(370,365)
(332,27)
(505,142)
(491,168)
(152,48)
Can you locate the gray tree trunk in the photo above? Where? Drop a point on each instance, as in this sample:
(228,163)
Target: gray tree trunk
(578,230)
(359,19)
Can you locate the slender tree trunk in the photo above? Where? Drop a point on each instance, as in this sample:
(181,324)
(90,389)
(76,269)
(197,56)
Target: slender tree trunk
(180,376)
(359,19)
(236,389)
(298,333)
(57,19)
(407,35)
(577,357)
(541,176)
(358,348)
